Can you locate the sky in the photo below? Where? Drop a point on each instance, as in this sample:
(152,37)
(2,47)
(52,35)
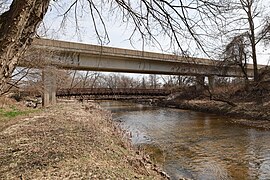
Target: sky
(81,30)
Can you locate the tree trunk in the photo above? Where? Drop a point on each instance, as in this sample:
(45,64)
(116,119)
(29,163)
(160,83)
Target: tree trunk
(17,28)
(252,40)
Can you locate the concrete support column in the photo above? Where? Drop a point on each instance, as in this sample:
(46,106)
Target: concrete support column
(211,82)
(49,82)
(53,89)
(200,82)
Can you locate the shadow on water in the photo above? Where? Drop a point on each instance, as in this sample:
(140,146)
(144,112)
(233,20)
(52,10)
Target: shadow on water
(196,145)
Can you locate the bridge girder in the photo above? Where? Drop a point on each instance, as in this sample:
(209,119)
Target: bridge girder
(79,56)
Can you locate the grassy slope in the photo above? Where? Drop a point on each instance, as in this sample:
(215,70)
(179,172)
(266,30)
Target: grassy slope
(71,141)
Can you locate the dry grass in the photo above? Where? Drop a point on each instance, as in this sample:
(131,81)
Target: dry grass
(70,141)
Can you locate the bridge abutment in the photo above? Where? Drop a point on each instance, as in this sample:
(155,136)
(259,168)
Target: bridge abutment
(49,87)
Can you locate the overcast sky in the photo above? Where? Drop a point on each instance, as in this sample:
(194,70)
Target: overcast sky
(119,34)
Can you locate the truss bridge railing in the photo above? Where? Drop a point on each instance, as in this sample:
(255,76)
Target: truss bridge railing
(112,92)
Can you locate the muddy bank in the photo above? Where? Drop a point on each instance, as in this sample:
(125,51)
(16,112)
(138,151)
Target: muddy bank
(69,141)
(248,114)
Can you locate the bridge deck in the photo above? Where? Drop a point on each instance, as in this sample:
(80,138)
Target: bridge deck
(116,52)
(78,56)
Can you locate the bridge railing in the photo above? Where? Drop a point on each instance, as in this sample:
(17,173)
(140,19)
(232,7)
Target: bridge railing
(111,91)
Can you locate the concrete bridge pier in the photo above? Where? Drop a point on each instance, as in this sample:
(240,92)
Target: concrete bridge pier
(49,87)
(211,82)
(200,82)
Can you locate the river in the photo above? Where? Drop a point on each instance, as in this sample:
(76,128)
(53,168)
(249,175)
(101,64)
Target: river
(195,145)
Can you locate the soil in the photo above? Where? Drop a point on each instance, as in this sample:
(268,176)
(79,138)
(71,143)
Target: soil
(70,141)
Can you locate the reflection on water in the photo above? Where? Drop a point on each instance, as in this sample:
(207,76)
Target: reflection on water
(196,145)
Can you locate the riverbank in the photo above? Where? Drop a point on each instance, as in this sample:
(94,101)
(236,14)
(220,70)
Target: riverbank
(69,141)
(245,113)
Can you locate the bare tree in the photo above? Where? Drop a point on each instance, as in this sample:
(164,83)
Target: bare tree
(249,7)
(244,17)
(264,34)
(143,83)
(115,80)
(237,53)
(17,27)
(176,81)
(153,81)
(174,19)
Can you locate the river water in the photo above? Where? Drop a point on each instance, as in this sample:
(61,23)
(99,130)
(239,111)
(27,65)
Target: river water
(196,145)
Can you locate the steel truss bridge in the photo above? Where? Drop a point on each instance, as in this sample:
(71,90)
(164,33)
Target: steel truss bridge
(112,93)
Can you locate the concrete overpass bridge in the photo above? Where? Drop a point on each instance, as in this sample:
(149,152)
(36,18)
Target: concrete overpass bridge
(78,56)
